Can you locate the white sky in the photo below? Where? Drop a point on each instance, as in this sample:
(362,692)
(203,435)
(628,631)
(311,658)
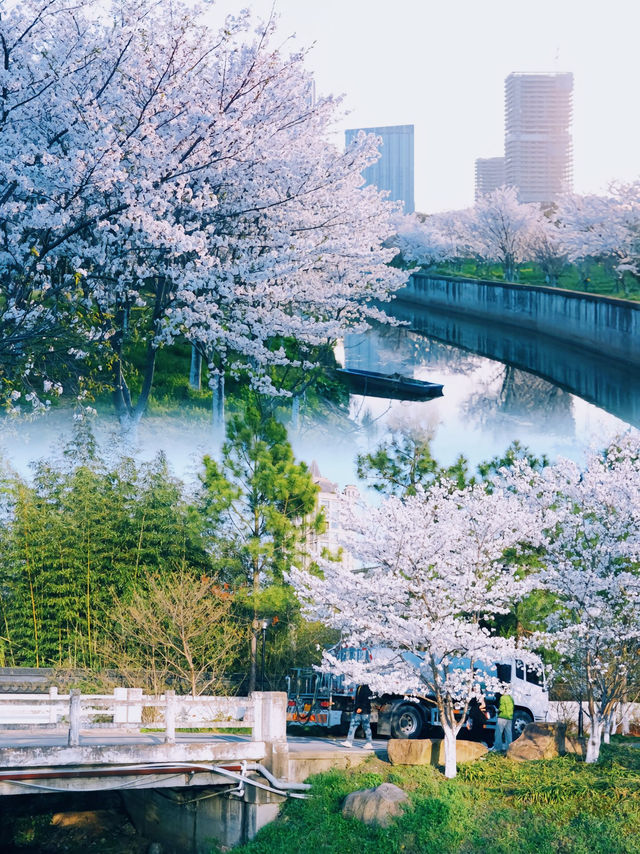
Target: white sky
(441,67)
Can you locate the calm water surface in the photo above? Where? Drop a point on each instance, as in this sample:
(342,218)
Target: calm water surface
(499,385)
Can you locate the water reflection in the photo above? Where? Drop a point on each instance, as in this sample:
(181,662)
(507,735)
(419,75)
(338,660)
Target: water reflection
(523,400)
(607,383)
(498,386)
(488,402)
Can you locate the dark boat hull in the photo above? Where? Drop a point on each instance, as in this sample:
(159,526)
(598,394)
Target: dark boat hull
(392,386)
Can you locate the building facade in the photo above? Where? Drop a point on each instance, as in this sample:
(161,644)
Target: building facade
(334,505)
(394,171)
(538,143)
(490,174)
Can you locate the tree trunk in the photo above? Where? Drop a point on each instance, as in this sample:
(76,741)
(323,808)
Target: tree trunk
(195,373)
(626,718)
(449,750)
(253,656)
(253,647)
(217,403)
(595,736)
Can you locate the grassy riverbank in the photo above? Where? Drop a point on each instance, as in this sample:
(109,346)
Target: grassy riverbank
(598,279)
(560,806)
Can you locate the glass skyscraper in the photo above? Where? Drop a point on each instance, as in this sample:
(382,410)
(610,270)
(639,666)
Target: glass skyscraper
(394,170)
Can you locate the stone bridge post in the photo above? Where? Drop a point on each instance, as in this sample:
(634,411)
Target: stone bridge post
(270,726)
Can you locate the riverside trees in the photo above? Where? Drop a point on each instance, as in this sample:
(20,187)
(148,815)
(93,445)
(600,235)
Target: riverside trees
(503,228)
(435,575)
(604,227)
(159,180)
(591,519)
(442,565)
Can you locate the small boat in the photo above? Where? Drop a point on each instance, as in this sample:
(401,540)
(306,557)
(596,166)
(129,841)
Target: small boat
(394,386)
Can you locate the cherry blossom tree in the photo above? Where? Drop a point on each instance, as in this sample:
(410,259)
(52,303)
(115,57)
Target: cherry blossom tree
(503,228)
(159,180)
(421,242)
(592,519)
(604,227)
(440,237)
(435,575)
(547,250)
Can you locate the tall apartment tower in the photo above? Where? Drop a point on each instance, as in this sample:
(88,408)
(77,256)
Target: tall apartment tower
(538,146)
(394,170)
(490,175)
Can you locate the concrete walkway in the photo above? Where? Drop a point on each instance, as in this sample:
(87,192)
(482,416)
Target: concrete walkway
(114,737)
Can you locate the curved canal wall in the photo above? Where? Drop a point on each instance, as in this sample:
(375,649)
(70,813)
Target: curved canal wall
(602,324)
(608,383)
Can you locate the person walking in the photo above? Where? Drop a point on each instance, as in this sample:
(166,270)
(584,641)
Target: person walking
(360,715)
(504,723)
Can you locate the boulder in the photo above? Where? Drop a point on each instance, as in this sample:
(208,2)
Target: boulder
(430,751)
(575,745)
(379,806)
(539,741)
(413,751)
(467,751)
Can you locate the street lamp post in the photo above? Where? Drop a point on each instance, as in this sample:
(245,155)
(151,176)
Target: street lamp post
(580,718)
(265,624)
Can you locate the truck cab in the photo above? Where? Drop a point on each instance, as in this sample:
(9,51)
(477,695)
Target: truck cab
(528,689)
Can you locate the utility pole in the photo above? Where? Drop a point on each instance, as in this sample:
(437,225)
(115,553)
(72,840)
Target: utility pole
(265,624)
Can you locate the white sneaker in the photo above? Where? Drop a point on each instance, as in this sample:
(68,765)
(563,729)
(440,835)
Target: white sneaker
(346,744)
(368,746)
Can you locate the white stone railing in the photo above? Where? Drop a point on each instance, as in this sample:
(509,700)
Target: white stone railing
(263,713)
(567,711)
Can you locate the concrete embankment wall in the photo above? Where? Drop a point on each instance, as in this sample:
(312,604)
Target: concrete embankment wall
(602,324)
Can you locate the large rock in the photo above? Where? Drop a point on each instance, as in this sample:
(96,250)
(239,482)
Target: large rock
(539,741)
(377,806)
(430,751)
(414,751)
(467,751)
(573,744)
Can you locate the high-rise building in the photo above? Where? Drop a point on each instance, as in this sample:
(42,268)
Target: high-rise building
(394,170)
(489,175)
(538,146)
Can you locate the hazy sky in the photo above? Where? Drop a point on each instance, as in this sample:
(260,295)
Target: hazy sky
(441,67)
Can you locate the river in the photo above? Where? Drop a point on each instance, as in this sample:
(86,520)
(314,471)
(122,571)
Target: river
(500,384)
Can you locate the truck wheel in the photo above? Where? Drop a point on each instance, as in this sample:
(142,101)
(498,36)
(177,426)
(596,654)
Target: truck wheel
(519,722)
(406,721)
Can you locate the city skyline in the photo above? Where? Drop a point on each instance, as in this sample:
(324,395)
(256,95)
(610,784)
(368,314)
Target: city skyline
(442,68)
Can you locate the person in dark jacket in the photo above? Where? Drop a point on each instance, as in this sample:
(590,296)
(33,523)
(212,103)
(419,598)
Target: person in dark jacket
(476,719)
(360,715)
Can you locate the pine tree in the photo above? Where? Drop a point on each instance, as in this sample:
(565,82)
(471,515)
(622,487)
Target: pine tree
(259,503)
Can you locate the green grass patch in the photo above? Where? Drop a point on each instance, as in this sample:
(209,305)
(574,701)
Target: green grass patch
(227,730)
(497,805)
(598,279)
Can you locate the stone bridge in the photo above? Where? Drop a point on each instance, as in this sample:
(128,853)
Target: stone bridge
(156,750)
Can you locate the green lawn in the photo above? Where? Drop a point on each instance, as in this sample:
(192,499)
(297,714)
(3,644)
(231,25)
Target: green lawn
(598,281)
(495,806)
